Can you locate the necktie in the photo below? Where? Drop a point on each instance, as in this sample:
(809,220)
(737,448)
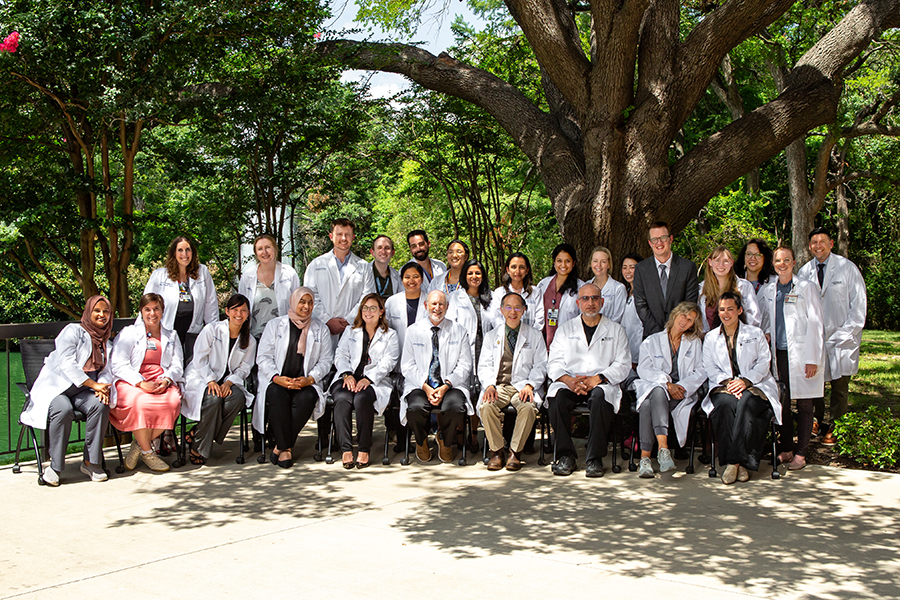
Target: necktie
(512,336)
(434,369)
(821,273)
(663,279)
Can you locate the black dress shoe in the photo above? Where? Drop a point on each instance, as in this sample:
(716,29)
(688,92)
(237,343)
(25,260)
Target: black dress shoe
(274,458)
(349,465)
(285,464)
(593,468)
(362,465)
(564,466)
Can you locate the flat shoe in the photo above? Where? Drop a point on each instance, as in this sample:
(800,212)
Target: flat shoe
(798,463)
(730,474)
(349,465)
(743,474)
(274,458)
(785,457)
(362,465)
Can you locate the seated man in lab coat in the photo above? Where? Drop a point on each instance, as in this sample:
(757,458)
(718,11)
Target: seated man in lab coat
(589,358)
(436,366)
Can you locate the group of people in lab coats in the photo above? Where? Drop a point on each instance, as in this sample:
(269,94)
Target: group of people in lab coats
(436,337)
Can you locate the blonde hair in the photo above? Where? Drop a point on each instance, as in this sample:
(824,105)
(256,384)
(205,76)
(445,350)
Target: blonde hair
(684,308)
(711,283)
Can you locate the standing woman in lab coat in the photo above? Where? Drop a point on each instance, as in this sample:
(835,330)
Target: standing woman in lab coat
(613,293)
(743,395)
(670,374)
(719,277)
(634,328)
(294,357)
(457,256)
(214,389)
(404,308)
(147,369)
(559,290)
(754,263)
(365,356)
(187,290)
(267,285)
(517,278)
(792,319)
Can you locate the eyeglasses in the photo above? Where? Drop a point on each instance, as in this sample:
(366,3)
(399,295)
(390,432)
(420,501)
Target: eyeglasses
(660,239)
(589,298)
(370,309)
(514,308)
(753,255)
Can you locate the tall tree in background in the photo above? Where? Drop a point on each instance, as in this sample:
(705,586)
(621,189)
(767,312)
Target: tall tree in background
(620,80)
(87,82)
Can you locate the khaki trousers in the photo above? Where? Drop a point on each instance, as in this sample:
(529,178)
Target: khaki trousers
(490,417)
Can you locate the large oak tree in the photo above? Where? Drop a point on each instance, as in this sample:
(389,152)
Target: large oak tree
(621,78)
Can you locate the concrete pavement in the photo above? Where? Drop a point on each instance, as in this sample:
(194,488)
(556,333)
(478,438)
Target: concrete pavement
(226,530)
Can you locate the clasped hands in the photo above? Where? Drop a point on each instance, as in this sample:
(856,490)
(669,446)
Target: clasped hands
(155,386)
(222,391)
(101,390)
(352,385)
(293,383)
(435,395)
(581,384)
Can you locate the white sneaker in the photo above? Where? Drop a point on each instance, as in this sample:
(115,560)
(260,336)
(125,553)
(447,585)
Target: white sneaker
(131,459)
(152,460)
(94,472)
(665,460)
(645,469)
(51,477)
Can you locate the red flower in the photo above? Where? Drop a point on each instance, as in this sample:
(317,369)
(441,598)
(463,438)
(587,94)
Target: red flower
(318,36)
(10,43)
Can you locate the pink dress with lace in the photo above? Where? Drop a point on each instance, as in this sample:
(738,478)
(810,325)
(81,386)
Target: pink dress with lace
(136,409)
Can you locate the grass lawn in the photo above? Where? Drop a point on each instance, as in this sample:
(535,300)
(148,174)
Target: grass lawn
(878,380)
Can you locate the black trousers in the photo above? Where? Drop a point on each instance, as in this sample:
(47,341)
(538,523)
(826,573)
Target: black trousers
(740,427)
(289,411)
(600,419)
(345,402)
(804,412)
(451,413)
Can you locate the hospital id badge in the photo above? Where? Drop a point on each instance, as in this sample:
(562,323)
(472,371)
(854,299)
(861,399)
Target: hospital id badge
(790,299)
(151,345)
(552,316)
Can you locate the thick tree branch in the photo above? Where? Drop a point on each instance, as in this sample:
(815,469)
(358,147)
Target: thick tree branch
(550,29)
(535,132)
(745,143)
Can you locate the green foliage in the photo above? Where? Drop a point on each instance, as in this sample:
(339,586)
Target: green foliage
(872,436)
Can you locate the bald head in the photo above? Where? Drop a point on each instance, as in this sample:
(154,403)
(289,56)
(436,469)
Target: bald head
(589,301)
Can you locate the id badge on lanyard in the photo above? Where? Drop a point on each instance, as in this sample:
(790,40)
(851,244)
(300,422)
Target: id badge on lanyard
(552,314)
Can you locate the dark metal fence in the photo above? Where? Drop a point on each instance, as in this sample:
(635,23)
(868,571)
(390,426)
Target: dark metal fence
(10,336)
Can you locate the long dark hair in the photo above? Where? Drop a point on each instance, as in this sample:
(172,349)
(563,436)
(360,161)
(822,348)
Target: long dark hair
(235,301)
(526,282)
(484,290)
(629,285)
(570,285)
(768,269)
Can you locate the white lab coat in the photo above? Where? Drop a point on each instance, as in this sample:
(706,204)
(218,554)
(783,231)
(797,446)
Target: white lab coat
(748,301)
(453,354)
(332,297)
(438,269)
(286,281)
(568,305)
(608,354)
(529,365)
(273,349)
(534,315)
(843,311)
(210,359)
(395,313)
(805,334)
(654,368)
(753,358)
(206,303)
(462,311)
(634,329)
(384,353)
(63,368)
(128,356)
(614,297)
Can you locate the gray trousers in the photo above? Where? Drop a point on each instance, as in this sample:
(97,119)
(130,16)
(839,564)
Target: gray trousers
(216,416)
(59,425)
(654,413)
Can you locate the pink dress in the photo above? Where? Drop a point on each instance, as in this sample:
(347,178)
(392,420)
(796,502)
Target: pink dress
(136,409)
